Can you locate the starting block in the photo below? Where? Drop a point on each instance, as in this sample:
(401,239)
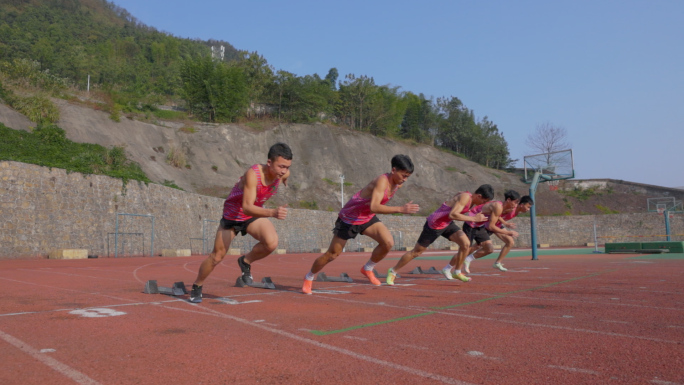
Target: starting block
(344,277)
(266,283)
(178,288)
(431,270)
(379,275)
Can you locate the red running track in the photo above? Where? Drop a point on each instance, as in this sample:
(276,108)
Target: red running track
(590,319)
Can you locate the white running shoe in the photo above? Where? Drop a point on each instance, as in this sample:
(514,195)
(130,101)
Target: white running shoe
(447,273)
(466,266)
(500,267)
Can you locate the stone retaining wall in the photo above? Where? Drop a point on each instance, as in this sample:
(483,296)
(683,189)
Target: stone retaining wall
(44,209)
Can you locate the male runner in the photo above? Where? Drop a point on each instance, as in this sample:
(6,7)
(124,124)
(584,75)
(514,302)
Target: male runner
(441,222)
(243,213)
(358,217)
(478,232)
(523,206)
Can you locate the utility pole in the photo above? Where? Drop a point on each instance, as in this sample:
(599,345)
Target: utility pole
(341,190)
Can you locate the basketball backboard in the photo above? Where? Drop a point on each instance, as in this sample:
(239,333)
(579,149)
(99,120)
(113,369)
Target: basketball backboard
(662,204)
(551,166)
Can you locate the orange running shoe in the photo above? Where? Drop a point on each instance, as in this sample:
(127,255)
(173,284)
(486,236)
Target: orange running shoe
(306,288)
(371,277)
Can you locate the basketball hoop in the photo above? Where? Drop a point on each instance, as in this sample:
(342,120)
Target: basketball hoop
(553,184)
(661,210)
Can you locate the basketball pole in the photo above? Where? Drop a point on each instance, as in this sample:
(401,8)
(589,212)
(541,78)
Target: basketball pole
(667,224)
(533,215)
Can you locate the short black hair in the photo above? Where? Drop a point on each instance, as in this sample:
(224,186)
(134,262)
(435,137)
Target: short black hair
(526,199)
(486,191)
(280,150)
(402,163)
(512,195)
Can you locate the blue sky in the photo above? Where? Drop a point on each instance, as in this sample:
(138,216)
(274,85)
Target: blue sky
(611,72)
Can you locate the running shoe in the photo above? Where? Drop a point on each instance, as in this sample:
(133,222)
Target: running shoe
(196,294)
(466,266)
(246,270)
(306,288)
(370,276)
(390,277)
(463,278)
(447,273)
(500,266)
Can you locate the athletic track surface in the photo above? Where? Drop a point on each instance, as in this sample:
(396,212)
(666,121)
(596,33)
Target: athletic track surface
(577,318)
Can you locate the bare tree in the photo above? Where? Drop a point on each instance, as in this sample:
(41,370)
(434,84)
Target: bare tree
(548,138)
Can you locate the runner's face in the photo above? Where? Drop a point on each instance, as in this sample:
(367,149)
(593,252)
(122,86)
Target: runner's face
(525,207)
(511,204)
(400,176)
(279,167)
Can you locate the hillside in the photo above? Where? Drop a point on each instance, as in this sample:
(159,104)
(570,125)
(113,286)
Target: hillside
(218,154)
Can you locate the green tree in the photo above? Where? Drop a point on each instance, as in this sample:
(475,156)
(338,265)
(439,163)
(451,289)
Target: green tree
(213,90)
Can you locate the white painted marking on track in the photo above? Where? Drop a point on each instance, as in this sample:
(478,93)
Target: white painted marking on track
(568,316)
(661,382)
(615,322)
(321,291)
(475,353)
(332,348)
(575,370)
(414,347)
(64,369)
(97,312)
(230,301)
(356,338)
(47,350)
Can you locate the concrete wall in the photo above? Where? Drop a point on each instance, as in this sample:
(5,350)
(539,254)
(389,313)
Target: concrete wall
(43,209)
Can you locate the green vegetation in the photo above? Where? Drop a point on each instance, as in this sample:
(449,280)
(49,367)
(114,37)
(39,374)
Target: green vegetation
(176,157)
(606,210)
(48,146)
(169,114)
(54,46)
(308,205)
(581,194)
(172,184)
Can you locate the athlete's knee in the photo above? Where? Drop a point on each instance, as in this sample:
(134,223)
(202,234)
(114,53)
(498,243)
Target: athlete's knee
(387,244)
(488,247)
(510,242)
(329,256)
(270,243)
(217,256)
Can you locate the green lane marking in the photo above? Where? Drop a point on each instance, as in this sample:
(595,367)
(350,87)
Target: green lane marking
(513,254)
(660,256)
(523,290)
(325,333)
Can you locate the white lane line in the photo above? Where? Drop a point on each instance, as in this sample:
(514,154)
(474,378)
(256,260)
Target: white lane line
(356,338)
(49,361)
(575,370)
(425,309)
(363,357)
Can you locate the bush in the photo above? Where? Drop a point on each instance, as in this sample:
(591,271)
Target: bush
(176,157)
(48,146)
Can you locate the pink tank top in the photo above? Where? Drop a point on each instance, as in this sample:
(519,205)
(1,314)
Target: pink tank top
(477,210)
(507,217)
(440,218)
(357,210)
(232,207)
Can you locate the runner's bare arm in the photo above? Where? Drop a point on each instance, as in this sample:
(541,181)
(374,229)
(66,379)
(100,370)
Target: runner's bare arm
(249,197)
(381,185)
(496,209)
(462,200)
